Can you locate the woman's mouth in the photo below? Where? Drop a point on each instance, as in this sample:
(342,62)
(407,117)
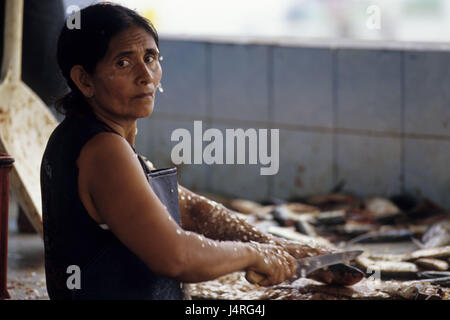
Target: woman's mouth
(148,95)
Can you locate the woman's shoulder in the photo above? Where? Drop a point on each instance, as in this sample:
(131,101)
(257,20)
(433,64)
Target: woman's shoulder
(73,134)
(106,145)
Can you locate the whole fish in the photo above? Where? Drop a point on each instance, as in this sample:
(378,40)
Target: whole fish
(438,235)
(433,274)
(388,269)
(384,236)
(440,252)
(432,264)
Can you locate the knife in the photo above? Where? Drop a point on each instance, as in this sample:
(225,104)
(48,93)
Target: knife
(306,266)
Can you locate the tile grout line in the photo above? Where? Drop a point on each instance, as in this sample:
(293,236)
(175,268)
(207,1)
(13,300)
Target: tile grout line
(402,123)
(334,84)
(209,107)
(270,102)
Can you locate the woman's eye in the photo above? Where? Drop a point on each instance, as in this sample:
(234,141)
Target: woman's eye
(149,59)
(123,63)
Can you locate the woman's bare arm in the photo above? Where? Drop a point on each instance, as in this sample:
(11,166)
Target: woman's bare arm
(215,221)
(124,201)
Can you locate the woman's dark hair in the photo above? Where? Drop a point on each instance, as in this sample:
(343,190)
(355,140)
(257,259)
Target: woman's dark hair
(87,45)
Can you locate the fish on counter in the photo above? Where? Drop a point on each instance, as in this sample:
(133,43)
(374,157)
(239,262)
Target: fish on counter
(388,269)
(437,235)
(331,217)
(383,210)
(398,235)
(327,268)
(440,252)
(303,226)
(301,219)
(283,216)
(432,264)
(341,220)
(433,274)
(339,274)
(352,229)
(235,287)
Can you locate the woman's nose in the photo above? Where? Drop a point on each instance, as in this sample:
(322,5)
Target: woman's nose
(145,74)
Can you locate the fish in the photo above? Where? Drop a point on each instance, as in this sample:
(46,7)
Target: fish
(339,274)
(439,252)
(432,264)
(351,229)
(437,235)
(283,216)
(331,217)
(383,210)
(303,226)
(433,274)
(326,268)
(308,265)
(398,235)
(388,269)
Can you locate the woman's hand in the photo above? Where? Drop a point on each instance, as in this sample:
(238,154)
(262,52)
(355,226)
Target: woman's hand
(273,265)
(339,274)
(301,250)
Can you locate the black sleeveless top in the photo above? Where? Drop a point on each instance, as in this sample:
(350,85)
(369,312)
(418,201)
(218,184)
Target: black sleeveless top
(108,269)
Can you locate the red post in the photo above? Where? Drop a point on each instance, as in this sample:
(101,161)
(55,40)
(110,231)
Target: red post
(6,162)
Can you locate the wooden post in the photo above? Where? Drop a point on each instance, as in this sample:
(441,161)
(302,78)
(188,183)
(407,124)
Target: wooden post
(6,162)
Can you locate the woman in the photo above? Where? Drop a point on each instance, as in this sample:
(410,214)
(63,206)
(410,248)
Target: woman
(100,213)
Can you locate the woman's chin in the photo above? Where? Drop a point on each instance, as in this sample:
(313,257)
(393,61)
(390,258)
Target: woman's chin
(145,111)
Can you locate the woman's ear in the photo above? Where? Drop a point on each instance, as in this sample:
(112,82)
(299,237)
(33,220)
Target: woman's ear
(82,80)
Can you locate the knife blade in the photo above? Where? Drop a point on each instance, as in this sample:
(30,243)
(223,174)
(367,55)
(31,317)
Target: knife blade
(306,266)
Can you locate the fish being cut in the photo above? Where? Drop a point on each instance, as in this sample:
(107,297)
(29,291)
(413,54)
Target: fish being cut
(338,274)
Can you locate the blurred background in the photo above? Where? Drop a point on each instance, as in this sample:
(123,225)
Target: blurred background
(399,20)
(359,89)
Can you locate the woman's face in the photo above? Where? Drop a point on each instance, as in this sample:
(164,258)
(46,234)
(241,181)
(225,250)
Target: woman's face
(126,78)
